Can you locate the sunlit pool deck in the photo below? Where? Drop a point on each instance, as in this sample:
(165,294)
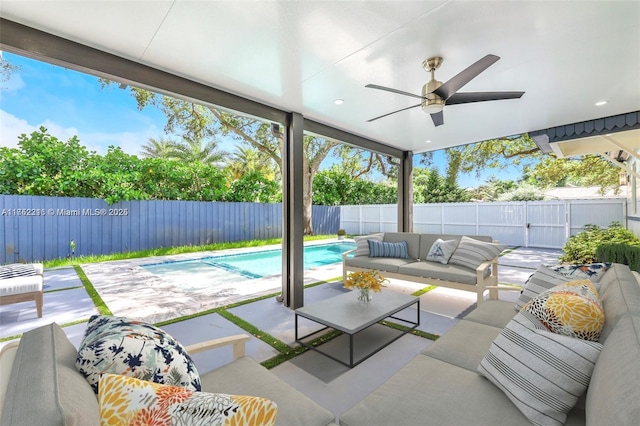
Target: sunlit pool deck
(129,290)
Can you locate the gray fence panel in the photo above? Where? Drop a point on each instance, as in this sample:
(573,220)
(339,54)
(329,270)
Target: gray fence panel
(98,228)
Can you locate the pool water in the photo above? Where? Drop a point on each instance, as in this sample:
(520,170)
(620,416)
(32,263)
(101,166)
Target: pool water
(250,265)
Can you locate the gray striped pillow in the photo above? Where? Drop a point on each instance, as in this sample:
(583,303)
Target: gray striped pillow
(472,253)
(382,249)
(542,373)
(362,245)
(16,270)
(542,280)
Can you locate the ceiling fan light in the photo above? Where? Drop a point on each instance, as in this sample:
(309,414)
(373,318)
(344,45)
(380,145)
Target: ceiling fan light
(432,108)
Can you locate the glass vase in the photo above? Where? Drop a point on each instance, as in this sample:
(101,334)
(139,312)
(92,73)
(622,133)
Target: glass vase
(365,295)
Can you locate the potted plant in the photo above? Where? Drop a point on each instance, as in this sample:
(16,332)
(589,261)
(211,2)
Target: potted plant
(341,234)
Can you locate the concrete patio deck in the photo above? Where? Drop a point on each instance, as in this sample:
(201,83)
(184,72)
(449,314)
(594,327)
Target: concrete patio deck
(329,383)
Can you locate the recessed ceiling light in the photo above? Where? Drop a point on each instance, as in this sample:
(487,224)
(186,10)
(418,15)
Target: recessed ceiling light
(601,103)
(428,141)
(338,101)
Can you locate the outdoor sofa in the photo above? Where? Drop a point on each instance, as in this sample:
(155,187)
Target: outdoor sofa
(41,385)
(442,385)
(22,283)
(471,267)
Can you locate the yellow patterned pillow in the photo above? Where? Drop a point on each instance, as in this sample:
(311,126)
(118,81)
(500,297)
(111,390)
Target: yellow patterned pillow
(571,309)
(130,401)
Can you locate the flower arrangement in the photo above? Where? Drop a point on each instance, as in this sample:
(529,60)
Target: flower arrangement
(365,281)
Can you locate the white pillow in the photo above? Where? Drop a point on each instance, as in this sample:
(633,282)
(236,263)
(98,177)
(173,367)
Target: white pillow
(441,251)
(362,246)
(541,372)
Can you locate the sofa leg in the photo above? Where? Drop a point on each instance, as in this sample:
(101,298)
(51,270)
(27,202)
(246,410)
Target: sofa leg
(39,303)
(493,294)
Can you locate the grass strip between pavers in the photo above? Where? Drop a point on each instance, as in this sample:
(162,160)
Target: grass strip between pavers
(63,289)
(415,332)
(93,293)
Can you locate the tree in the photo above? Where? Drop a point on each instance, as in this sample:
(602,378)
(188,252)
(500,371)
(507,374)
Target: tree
(523,192)
(248,159)
(6,69)
(521,151)
(335,187)
(587,170)
(253,187)
(196,121)
(158,148)
(196,150)
(430,187)
(492,189)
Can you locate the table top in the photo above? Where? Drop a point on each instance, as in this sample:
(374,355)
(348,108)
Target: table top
(347,314)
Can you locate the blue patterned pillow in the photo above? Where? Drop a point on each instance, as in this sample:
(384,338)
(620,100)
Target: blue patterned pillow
(382,249)
(118,345)
(592,271)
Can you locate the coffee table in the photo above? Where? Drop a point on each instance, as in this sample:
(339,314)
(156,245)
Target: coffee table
(346,314)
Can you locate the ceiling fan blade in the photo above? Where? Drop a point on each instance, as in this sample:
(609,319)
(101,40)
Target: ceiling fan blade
(438,118)
(465,98)
(454,84)
(403,109)
(389,89)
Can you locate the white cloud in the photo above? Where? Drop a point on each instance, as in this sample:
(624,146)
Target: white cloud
(131,142)
(14,84)
(11,127)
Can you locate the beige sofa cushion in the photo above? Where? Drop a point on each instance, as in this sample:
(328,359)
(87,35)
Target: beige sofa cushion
(612,397)
(496,313)
(45,386)
(388,264)
(439,271)
(464,345)
(246,377)
(620,294)
(428,391)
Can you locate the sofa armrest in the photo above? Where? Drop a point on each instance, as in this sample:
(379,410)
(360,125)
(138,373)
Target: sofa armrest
(344,264)
(490,281)
(238,341)
(7,356)
(344,255)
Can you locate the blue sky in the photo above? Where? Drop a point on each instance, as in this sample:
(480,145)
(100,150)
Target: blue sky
(70,103)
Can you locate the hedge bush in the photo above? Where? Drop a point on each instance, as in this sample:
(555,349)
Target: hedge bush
(620,253)
(582,248)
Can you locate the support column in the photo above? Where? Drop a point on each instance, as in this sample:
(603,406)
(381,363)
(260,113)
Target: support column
(292,214)
(405,193)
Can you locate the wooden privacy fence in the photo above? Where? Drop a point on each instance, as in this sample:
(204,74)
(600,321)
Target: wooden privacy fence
(545,224)
(41,228)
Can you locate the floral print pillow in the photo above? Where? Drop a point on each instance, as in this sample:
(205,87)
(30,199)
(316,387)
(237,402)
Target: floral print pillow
(132,348)
(573,309)
(128,401)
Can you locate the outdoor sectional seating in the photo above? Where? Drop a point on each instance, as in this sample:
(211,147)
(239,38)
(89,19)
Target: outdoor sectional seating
(442,384)
(415,268)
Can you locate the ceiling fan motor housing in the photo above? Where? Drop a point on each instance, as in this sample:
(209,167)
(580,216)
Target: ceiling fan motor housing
(431,102)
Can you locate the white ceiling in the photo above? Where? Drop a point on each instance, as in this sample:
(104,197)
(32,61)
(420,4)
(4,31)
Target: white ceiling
(301,56)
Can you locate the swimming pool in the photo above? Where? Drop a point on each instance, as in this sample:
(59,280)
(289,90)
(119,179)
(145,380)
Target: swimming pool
(250,265)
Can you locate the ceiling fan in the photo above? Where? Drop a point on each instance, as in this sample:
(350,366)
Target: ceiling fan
(435,94)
